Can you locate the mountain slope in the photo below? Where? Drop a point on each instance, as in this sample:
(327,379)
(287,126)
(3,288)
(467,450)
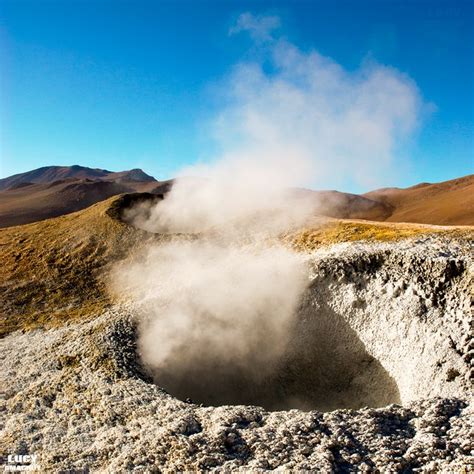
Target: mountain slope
(53,271)
(35,202)
(343,205)
(57,190)
(49,174)
(446,203)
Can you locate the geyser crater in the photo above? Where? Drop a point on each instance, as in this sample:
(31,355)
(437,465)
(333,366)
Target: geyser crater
(373,324)
(324,367)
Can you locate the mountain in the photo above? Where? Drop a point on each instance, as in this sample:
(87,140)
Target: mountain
(52,191)
(49,174)
(56,190)
(446,203)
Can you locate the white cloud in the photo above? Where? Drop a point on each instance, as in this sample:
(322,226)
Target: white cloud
(315,121)
(260,28)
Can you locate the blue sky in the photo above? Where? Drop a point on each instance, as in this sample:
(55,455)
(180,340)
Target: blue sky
(118,85)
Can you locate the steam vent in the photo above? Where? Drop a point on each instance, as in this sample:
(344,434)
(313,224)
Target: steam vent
(374,375)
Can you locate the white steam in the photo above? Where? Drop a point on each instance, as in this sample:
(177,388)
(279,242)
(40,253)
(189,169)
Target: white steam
(213,310)
(216,305)
(297,119)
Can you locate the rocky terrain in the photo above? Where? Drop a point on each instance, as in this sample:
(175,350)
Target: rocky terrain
(381,363)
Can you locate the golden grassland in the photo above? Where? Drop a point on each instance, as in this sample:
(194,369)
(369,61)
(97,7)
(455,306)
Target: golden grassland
(335,231)
(56,270)
(53,271)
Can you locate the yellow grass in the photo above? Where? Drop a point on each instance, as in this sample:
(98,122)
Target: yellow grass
(53,271)
(336,231)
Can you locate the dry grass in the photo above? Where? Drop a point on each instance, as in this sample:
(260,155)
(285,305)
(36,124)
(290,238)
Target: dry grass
(336,231)
(54,271)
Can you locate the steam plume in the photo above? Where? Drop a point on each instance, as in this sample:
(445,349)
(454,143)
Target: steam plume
(222,304)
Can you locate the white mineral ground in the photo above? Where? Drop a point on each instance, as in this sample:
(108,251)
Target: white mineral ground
(380,363)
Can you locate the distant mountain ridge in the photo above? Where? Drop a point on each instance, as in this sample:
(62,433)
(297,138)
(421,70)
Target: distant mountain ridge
(49,174)
(53,191)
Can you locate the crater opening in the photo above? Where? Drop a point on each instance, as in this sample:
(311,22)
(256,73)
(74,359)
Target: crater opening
(374,326)
(324,367)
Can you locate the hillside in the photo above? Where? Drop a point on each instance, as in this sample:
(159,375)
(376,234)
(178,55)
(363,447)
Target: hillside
(447,203)
(344,205)
(53,270)
(57,190)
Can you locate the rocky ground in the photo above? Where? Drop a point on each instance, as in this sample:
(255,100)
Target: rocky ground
(78,397)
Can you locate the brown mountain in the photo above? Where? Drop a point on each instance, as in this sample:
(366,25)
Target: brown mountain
(49,174)
(446,203)
(56,190)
